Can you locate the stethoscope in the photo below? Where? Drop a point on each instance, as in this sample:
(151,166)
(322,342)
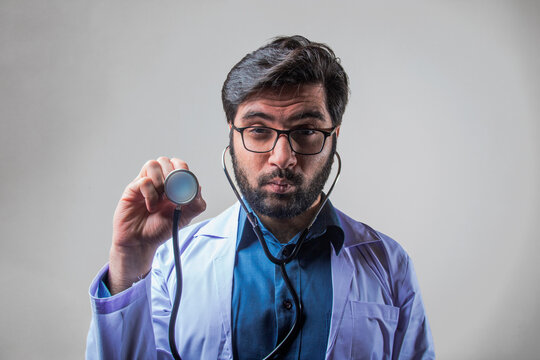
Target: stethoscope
(182,187)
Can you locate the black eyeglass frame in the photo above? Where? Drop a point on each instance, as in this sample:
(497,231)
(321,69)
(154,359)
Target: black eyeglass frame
(288,133)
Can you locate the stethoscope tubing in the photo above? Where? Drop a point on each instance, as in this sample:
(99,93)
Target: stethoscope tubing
(283,261)
(278,262)
(255,224)
(178,293)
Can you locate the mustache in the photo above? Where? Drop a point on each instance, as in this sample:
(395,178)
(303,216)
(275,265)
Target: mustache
(295,179)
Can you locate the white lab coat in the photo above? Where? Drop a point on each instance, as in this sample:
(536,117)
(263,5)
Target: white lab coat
(377,311)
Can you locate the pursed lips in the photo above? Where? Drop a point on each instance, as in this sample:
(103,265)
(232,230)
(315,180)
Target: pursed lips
(279,185)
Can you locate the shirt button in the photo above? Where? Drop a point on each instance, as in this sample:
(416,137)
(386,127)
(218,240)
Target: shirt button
(286,251)
(287,304)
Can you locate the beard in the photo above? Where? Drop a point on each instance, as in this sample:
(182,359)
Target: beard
(283,206)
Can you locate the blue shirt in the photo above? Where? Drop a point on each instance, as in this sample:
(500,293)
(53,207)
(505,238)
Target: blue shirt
(262,307)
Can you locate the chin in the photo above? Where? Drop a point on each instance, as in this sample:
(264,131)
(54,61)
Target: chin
(280,206)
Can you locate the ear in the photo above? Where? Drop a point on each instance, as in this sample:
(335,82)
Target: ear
(229,124)
(337,131)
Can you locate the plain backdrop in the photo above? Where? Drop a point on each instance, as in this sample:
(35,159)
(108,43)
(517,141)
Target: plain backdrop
(440,146)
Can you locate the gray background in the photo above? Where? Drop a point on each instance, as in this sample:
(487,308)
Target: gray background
(440,146)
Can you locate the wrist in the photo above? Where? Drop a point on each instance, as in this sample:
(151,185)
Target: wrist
(127,266)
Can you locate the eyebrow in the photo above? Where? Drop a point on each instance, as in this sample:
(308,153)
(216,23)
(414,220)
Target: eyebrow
(310,114)
(257,114)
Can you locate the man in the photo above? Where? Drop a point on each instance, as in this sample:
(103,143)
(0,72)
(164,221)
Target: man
(360,299)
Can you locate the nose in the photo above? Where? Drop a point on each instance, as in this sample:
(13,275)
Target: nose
(282,156)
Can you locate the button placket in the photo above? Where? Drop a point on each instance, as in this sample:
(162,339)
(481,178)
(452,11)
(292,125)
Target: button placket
(283,302)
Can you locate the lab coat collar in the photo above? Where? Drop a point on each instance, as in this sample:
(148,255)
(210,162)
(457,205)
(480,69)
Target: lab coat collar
(356,233)
(221,226)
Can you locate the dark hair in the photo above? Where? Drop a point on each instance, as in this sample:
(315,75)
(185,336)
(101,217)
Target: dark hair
(283,62)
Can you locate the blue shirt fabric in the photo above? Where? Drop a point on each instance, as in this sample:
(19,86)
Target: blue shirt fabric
(262,307)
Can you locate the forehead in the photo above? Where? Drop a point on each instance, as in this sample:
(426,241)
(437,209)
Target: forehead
(289,102)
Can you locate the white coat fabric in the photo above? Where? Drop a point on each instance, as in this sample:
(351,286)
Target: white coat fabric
(377,310)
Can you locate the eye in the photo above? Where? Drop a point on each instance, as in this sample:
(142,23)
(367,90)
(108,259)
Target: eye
(259,132)
(305,132)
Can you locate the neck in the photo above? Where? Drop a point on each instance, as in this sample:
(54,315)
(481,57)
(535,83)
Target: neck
(285,229)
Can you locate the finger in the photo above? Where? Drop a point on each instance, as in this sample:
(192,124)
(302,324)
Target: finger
(179,164)
(150,194)
(166,165)
(152,170)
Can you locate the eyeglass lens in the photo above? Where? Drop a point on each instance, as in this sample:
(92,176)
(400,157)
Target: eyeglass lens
(304,141)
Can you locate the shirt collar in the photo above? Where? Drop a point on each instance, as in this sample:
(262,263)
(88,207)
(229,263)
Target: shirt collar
(327,222)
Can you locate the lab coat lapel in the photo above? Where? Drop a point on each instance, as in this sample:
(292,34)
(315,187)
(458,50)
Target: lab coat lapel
(223,277)
(225,226)
(343,273)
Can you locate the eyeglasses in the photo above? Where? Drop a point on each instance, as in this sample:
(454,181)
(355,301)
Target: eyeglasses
(261,139)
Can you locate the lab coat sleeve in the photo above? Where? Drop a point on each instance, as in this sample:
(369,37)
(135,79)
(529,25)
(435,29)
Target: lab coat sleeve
(122,326)
(413,338)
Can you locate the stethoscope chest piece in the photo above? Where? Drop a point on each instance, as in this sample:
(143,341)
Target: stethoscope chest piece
(181,186)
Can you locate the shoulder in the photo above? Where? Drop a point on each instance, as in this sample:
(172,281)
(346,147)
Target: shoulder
(360,234)
(365,245)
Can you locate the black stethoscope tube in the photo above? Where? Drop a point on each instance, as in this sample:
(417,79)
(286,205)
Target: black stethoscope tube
(283,261)
(278,262)
(178,295)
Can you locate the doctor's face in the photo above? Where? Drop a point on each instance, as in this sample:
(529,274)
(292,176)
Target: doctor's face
(281,183)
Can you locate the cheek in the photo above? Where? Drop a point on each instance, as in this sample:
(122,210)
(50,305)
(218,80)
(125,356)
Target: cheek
(312,167)
(236,142)
(251,164)
(311,164)
(255,164)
